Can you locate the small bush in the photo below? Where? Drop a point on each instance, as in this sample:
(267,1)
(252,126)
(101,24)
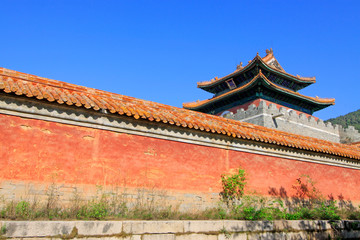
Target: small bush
(22,209)
(95,210)
(327,211)
(233,185)
(98,210)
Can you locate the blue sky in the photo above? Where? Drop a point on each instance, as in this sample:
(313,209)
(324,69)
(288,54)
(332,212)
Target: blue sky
(158,50)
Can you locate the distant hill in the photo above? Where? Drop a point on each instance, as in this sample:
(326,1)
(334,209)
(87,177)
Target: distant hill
(350,119)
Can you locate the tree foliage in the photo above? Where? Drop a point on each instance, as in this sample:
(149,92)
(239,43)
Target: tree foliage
(350,119)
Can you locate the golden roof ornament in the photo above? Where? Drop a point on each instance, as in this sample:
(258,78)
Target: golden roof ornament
(239,66)
(269,51)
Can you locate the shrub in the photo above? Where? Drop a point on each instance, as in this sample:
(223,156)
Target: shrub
(233,185)
(306,191)
(95,210)
(327,211)
(22,209)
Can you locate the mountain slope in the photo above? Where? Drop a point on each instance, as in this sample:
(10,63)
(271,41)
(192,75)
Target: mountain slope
(350,119)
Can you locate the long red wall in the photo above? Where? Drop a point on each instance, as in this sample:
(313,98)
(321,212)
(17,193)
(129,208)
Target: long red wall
(40,151)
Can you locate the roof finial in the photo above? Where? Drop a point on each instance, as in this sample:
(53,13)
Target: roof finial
(216,78)
(257,54)
(239,66)
(269,51)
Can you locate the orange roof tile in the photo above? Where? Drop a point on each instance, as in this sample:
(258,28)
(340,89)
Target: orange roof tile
(265,60)
(12,82)
(198,103)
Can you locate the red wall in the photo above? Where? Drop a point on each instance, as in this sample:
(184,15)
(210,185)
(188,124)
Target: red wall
(39,151)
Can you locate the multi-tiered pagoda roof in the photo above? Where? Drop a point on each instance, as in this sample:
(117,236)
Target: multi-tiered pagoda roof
(261,78)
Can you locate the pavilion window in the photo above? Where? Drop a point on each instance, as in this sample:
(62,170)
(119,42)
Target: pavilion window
(231,84)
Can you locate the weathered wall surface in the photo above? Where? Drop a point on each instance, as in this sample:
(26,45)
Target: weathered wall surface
(349,134)
(36,153)
(180,230)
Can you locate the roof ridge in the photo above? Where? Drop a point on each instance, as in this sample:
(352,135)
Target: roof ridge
(309,79)
(199,102)
(306,78)
(299,94)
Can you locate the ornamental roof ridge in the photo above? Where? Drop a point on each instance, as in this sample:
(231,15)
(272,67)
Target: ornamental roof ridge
(47,90)
(265,60)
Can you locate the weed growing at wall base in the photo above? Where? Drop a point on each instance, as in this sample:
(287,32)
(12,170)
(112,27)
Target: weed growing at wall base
(233,186)
(145,206)
(22,209)
(3,230)
(249,209)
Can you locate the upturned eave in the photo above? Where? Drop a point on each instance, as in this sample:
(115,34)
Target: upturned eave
(257,60)
(264,80)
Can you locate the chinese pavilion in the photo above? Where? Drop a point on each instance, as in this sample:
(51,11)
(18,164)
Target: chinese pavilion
(261,79)
(263,93)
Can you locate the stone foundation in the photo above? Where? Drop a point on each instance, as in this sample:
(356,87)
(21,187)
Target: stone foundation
(65,195)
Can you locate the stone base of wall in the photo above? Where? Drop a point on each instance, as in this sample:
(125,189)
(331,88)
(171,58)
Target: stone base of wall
(180,230)
(66,194)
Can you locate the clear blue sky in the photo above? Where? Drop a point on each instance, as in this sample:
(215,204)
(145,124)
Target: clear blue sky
(158,50)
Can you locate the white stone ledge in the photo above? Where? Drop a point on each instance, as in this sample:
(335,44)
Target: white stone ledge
(174,230)
(159,227)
